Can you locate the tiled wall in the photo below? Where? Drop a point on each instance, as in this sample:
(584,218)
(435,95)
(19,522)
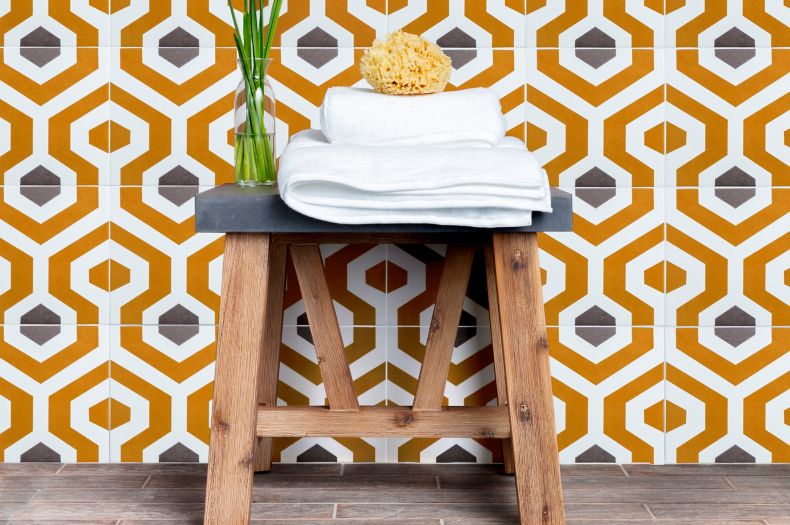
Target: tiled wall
(669,308)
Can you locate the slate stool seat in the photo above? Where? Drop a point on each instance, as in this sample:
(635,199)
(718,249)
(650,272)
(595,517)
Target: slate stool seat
(261,230)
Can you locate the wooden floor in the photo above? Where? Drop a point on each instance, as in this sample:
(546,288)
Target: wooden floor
(406,494)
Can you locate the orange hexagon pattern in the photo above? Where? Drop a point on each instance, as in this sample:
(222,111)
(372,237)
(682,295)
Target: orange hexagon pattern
(668,305)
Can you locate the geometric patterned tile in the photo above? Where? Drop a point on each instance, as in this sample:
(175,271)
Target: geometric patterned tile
(149,231)
(52,255)
(596,118)
(611,263)
(725,123)
(732,258)
(154,98)
(735,400)
(48,394)
(63,95)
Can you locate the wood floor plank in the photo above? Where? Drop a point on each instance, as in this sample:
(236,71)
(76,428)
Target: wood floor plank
(605,521)
(480,511)
(146,495)
(733,511)
(581,482)
(760,482)
(27,469)
(306,482)
(20,482)
(161,511)
(16,495)
(406,494)
(692,469)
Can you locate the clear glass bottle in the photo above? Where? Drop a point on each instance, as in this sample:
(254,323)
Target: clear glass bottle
(254,125)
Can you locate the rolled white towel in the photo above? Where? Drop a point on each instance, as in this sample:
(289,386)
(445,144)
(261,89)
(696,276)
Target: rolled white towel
(365,117)
(481,187)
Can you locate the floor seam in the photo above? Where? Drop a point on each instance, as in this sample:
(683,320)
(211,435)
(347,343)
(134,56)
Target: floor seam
(647,508)
(730,483)
(145,483)
(622,467)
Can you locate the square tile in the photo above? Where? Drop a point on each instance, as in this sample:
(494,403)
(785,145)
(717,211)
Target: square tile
(727,121)
(161,383)
(608,387)
(597,120)
(53,254)
(54,115)
(160,269)
(728,391)
(728,255)
(171,116)
(54,390)
(610,268)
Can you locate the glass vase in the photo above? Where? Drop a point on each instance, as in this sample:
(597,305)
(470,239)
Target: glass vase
(254,125)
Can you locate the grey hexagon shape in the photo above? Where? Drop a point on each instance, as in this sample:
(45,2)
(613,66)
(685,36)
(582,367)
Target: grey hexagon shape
(179,453)
(178,315)
(595,454)
(316,37)
(40,46)
(456,454)
(456,37)
(316,454)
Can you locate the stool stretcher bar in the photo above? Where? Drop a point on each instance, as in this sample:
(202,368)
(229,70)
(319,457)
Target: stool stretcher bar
(301,421)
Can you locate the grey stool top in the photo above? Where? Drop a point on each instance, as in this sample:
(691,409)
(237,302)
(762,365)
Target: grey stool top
(237,209)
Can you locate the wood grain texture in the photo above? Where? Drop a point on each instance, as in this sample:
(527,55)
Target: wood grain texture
(444,327)
(496,344)
(526,356)
(245,278)
(268,372)
(300,421)
(296,494)
(324,328)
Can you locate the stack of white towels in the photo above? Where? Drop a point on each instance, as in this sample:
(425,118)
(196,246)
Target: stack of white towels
(436,159)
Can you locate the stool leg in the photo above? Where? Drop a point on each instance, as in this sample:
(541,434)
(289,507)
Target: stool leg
(270,350)
(241,327)
(496,344)
(526,356)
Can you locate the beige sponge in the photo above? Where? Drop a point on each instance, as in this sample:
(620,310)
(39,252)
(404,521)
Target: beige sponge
(405,64)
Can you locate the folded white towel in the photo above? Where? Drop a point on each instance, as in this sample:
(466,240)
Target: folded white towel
(362,116)
(465,186)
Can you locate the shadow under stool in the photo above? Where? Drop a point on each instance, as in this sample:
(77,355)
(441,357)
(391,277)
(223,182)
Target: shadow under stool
(261,230)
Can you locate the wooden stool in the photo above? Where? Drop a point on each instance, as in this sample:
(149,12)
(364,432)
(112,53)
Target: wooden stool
(260,229)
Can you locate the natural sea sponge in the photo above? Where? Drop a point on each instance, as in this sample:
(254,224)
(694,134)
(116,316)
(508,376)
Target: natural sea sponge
(405,64)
